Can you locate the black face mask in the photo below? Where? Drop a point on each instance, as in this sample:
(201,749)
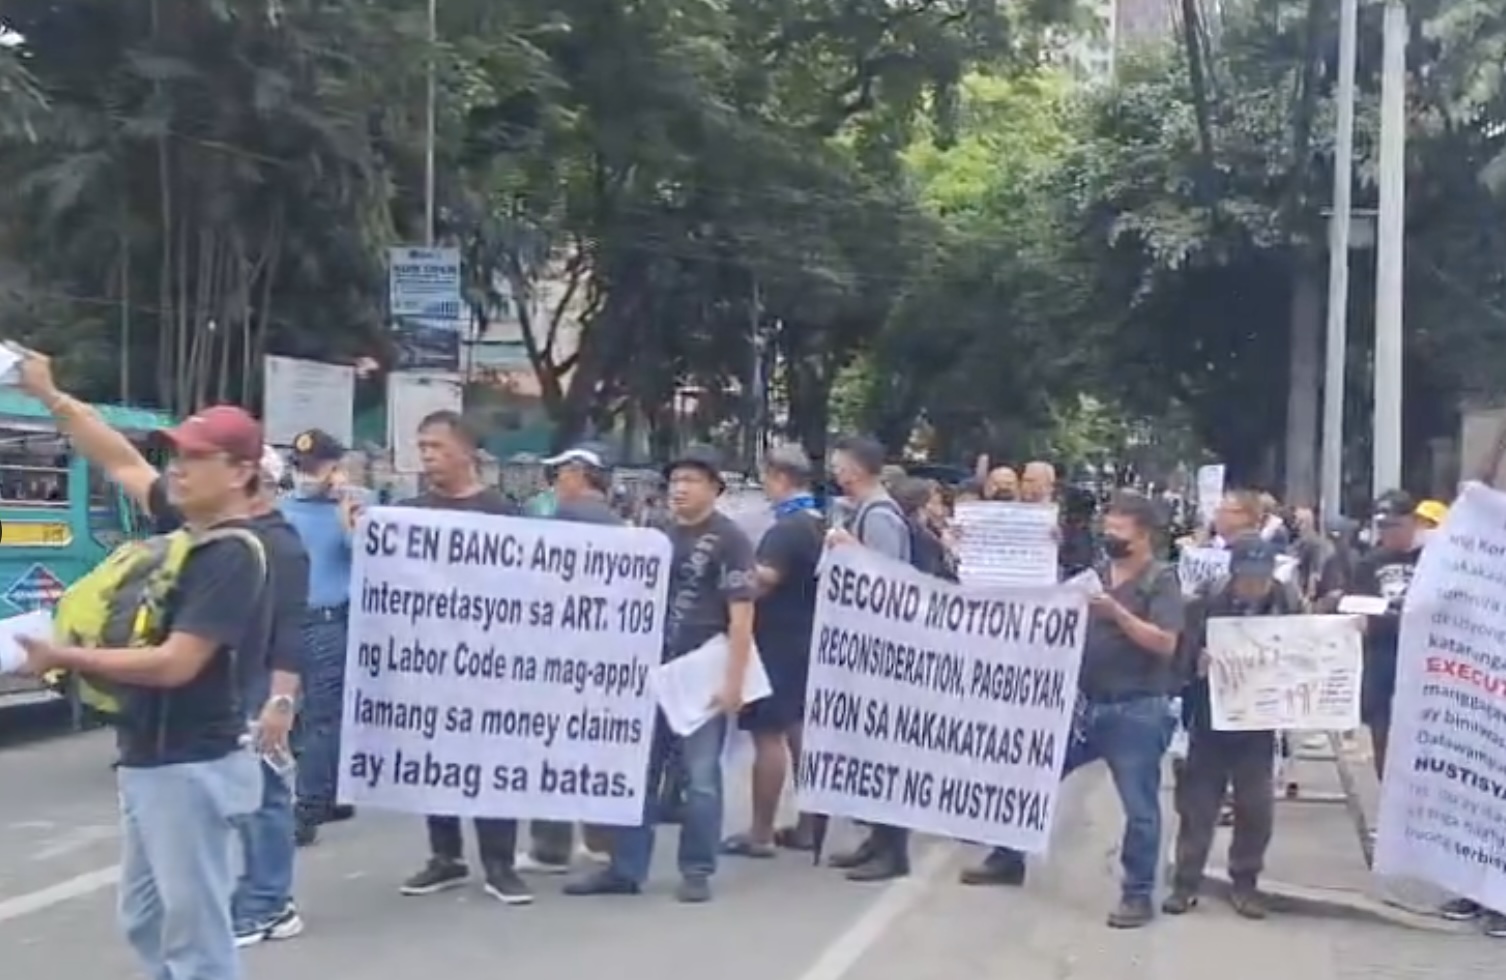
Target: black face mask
(1116,548)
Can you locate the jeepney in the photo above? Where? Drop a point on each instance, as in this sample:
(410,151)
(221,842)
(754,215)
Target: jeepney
(58,515)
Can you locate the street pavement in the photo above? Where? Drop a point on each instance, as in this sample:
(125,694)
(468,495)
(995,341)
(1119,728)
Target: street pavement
(772,920)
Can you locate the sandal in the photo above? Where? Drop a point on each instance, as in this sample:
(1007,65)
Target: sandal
(741,845)
(794,839)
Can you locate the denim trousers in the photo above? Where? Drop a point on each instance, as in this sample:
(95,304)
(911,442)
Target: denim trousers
(700,755)
(177,866)
(1130,736)
(266,884)
(319,719)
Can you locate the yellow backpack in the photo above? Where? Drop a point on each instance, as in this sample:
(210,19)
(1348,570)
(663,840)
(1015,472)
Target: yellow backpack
(121,602)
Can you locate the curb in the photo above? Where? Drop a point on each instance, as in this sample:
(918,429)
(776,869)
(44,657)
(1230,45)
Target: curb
(1334,903)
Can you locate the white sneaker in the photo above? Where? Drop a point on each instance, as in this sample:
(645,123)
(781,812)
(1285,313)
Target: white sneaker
(526,863)
(588,856)
(285,925)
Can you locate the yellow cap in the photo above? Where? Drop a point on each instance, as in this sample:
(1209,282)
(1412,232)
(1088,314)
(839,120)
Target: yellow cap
(1432,511)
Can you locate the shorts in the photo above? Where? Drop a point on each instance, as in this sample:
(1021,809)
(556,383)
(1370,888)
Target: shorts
(1377,688)
(785,708)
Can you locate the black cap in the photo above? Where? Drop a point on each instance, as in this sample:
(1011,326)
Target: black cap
(1252,556)
(1394,505)
(314,446)
(701,457)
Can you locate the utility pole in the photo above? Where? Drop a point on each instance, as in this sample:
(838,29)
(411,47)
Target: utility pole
(1390,240)
(429,124)
(1331,482)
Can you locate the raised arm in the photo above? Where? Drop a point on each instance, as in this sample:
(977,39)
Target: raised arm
(90,436)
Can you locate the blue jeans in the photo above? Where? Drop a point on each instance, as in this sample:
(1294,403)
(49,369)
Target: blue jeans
(1130,737)
(177,866)
(319,718)
(266,885)
(701,827)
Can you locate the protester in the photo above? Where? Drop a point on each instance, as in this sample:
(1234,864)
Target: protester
(877,522)
(1003,484)
(929,537)
(1038,483)
(262,905)
(1385,572)
(323,509)
(1430,517)
(712,587)
(187,773)
(447,450)
(1128,672)
(787,556)
(581,484)
(1217,758)
(968,491)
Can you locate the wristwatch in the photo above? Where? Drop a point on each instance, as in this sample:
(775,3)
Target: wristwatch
(281,702)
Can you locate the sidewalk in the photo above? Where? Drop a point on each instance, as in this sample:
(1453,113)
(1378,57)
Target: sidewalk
(1316,862)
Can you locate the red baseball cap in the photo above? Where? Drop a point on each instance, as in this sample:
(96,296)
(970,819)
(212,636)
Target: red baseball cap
(224,429)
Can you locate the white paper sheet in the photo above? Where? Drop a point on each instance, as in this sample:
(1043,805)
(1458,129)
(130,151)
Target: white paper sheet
(9,359)
(37,624)
(1007,544)
(686,685)
(1364,605)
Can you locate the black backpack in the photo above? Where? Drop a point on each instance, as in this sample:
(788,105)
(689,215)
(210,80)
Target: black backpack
(927,553)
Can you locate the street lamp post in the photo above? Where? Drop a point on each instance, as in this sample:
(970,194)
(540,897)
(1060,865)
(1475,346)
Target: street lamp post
(1331,481)
(1389,245)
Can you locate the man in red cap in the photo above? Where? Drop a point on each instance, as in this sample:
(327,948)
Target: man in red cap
(187,774)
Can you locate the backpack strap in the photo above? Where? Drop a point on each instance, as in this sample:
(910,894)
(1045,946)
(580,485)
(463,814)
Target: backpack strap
(265,621)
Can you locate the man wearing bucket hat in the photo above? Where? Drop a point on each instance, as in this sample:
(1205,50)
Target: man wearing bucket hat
(712,586)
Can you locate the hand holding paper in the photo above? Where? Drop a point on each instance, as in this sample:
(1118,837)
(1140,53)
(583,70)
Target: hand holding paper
(24,642)
(690,688)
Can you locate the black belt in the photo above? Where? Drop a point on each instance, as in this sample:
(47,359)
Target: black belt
(329,614)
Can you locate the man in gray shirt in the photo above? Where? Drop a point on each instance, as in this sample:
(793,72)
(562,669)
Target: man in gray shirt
(877,522)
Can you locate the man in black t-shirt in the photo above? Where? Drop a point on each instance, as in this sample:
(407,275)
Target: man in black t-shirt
(711,592)
(1385,572)
(447,450)
(786,557)
(186,773)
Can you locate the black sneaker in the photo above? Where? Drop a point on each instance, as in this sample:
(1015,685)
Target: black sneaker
(305,833)
(881,868)
(284,925)
(1461,910)
(1132,912)
(505,886)
(1179,902)
(438,875)
(340,813)
(1495,925)
(603,882)
(995,870)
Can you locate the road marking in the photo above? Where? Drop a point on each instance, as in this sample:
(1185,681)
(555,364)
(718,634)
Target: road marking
(844,952)
(64,891)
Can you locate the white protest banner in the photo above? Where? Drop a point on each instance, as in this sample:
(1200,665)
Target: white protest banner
(1002,543)
(939,707)
(1197,567)
(1274,672)
(1210,490)
(498,666)
(1443,799)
